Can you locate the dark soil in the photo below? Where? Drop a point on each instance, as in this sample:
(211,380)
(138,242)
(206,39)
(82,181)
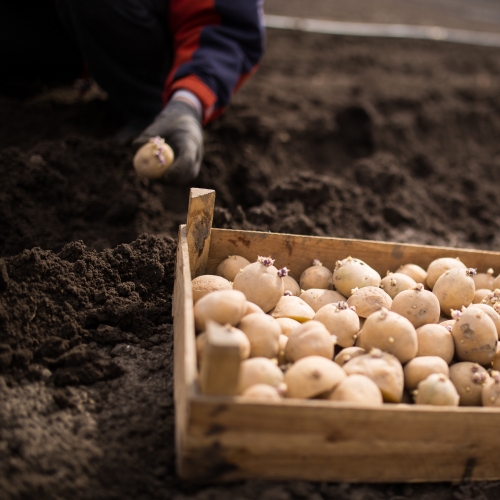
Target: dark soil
(388,140)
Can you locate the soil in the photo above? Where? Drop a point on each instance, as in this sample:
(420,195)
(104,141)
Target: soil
(375,139)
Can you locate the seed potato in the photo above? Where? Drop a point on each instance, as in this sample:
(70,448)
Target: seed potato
(369,299)
(310,339)
(496,283)
(455,289)
(418,369)
(312,376)
(484,280)
(475,336)
(263,332)
(153,159)
(357,389)
(293,307)
(347,354)
(438,390)
(261,283)
(390,332)
(258,371)
(316,276)
(318,298)
(287,325)
(231,266)
(415,272)
(340,320)
(492,313)
(440,266)
(261,392)
(384,369)
(291,285)
(394,283)
(435,340)
(353,273)
(418,305)
(223,307)
(469,378)
(253,308)
(491,390)
(201,285)
(495,363)
(480,295)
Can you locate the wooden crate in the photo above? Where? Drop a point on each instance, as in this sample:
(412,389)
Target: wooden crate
(225,438)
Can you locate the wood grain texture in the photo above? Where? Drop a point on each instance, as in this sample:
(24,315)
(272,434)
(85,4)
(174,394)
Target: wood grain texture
(298,252)
(328,441)
(199,225)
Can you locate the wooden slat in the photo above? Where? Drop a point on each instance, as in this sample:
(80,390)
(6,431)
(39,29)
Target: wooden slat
(185,370)
(317,440)
(199,225)
(221,362)
(298,252)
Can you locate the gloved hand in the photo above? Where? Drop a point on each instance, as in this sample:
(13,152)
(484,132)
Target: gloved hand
(180,125)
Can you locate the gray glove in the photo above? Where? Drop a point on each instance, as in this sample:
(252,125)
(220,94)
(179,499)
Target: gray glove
(180,125)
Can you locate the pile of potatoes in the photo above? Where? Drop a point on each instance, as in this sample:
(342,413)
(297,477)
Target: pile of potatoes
(415,336)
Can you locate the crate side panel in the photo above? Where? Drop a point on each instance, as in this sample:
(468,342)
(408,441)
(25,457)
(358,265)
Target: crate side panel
(337,443)
(185,371)
(298,252)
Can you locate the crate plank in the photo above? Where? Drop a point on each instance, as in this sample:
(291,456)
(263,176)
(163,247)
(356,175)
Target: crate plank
(297,252)
(319,440)
(199,225)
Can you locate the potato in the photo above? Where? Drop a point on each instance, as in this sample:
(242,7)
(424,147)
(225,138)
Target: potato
(357,389)
(310,339)
(244,343)
(480,295)
(438,390)
(263,332)
(261,283)
(201,285)
(318,298)
(384,369)
(495,362)
(484,280)
(496,283)
(475,336)
(394,283)
(223,306)
(435,340)
(493,299)
(287,325)
(261,392)
(153,159)
(418,369)
(440,266)
(415,272)
(350,274)
(448,324)
(347,354)
(390,332)
(316,276)
(469,378)
(231,266)
(369,299)
(291,285)
(282,342)
(293,307)
(491,390)
(253,308)
(258,371)
(492,313)
(454,289)
(311,376)
(340,320)
(418,305)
